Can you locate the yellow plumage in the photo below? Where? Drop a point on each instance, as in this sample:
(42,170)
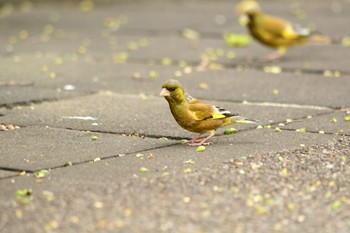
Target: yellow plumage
(195,115)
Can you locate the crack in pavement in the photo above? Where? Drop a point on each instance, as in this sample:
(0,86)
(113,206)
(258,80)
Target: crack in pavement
(129,134)
(260,66)
(44,100)
(175,138)
(288,105)
(276,104)
(317,132)
(8,177)
(240,66)
(11,169)
(154,136)
(29,171)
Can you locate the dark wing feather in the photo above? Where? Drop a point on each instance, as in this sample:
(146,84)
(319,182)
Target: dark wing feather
(203,111)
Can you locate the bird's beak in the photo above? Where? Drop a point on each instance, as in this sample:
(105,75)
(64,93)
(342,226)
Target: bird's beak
(164,92)
(243,20)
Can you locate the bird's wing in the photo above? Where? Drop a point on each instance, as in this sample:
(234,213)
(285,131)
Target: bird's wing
(296,29)
(281,28)
(204,111)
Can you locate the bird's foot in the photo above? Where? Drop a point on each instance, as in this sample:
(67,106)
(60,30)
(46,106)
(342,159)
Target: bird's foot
(195,140)
(199,143)
(203,65)
(275,56)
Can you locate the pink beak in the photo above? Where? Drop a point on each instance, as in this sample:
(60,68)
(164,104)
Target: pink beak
(164,92)
(243,20)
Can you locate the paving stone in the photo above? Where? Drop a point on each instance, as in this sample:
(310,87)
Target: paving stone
(6,174)
(172,159)
(104,75)
(310,57)
(333,123)
(25,83)
(313,13)
(166,16)
(266,178)
(43,148)
(257,86)
(126,197)
(12,96)
(313,57)
(316,59)
(305,89)
(106,112)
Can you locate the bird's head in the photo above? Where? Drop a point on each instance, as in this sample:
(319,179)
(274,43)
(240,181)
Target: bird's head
(172,91)
(247,9)
(248,6)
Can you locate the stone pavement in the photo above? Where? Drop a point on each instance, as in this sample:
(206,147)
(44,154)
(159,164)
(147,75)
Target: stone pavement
(89,146)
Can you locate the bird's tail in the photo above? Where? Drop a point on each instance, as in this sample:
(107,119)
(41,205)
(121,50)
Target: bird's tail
(320,39)
(243,120)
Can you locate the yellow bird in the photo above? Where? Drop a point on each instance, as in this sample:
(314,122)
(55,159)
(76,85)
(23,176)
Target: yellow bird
(195,115)
(271,31)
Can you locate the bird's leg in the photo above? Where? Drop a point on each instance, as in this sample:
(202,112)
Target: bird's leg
(275,55)
(195,142)
(195,139)
(200,143)
(203,65)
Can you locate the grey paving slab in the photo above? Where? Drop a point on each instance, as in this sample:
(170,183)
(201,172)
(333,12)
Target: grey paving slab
(71,35)
(29,68)
(135,16)
(312,57)
(259,86)
(204,199)
(24,81)
(106,112)
(329,123)
(211,23)
(165,15)
(43,148)
(226,84)
(5,174)
(12,96)
(84,75)
(268,179)
(177,158)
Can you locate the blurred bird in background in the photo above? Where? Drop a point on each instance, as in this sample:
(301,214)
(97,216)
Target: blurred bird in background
(275,32)
(195,115)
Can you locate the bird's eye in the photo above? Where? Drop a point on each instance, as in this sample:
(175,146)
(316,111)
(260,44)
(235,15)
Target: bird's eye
(171,89)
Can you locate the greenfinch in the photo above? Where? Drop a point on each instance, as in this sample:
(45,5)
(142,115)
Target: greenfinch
(195,115)
(271,31)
